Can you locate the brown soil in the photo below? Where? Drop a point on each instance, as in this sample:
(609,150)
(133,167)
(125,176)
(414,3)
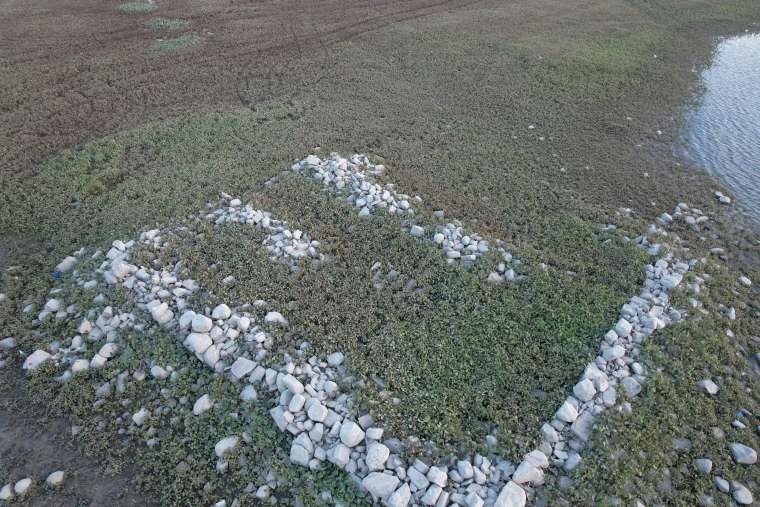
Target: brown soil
(34,443)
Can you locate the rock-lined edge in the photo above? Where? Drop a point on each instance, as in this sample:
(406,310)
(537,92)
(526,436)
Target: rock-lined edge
(353,179)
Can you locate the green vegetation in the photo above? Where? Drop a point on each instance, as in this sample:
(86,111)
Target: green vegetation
(137,7)
(183,41)
(167,24)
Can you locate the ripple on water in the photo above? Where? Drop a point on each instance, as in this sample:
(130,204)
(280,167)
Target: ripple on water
(722,133)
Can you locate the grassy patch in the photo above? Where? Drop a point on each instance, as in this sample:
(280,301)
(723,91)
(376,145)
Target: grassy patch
(176,43)
(167,24)
(137,7)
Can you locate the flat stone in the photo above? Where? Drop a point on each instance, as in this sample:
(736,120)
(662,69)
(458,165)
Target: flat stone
(431,495)
(139,417)
(198,342)
(66,264)
(742,454)
(242,367)
(630,387)
(317,412)
(299,455)
(722,484)
(249,393)
(464,467)
(511,495)
(437,476)
(380,485)
(6,493)
(708,386)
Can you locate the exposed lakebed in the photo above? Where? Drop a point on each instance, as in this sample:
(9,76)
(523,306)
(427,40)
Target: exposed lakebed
(722,132)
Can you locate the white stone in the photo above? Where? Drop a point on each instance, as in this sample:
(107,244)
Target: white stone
(202,404)
(198,342)
(221,312)
(202,324)
(292,384)
(55,479)
(299,455)
(380,485)
(339,455)
(317,412)
(708,386)
(36,359)
(275,318)
(527,472)
(437,476)
(6,493)
(242,367)
(377,455)
(400,497)
(139,417)
(511,495)
(225,446)
(159,372)
(249,393)
(567,412)
(584,390)
(623,327)
(22,486)
(335,359)
(350,433)
(743,454)
(741,494)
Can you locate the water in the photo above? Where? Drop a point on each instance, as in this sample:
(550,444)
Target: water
(722,133)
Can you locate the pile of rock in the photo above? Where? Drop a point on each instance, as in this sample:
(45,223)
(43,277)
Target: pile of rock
(281,243)
(24,487)
(353,178)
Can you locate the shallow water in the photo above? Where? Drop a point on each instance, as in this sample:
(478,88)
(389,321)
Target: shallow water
(722,133)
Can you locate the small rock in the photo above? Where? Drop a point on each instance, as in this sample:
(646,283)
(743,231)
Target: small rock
(22,487)
(202,404)
(511,495)
(225,446)
(741,494)
(708,386)
(36,359)
(55,479)
(202,324)
(743,454)
(377,455)
(380,485)
(400,497)
(335,359)
(350,433)
(704,465)
(221,312)
(275,318)
(6,493)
